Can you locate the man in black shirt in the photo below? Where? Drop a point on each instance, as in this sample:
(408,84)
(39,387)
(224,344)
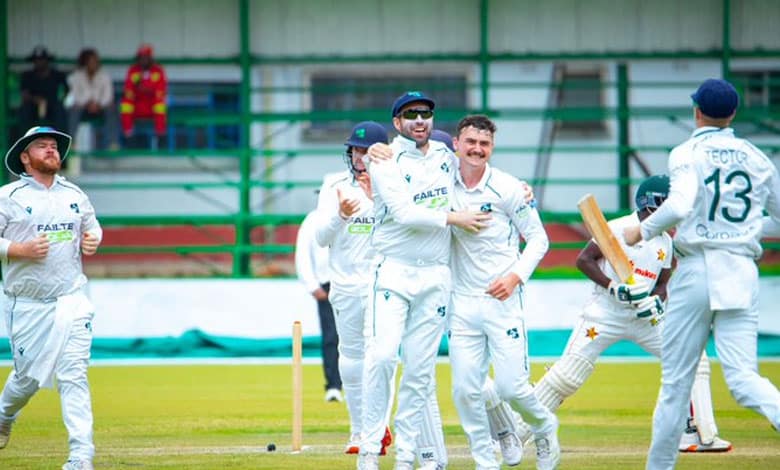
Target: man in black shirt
(43,89)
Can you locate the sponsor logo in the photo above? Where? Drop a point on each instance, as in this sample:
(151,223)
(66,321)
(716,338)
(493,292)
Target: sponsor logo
(57,233)
(645,273)
(704,232)
(433,198)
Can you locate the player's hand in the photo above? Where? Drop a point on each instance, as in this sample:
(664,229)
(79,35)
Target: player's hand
(530,198)
(89,244)
(469,221)
(629,294)
(347,207)
(651,308)
(37,248)
(379,152)
(320,294)
(504,286)
(632,235)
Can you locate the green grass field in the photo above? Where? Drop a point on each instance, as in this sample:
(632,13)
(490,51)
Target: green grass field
(223,416)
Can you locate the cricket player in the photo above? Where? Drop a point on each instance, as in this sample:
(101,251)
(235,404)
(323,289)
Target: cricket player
(486,324)
(410,284)
(346,219)
(47,223)
(720,185)
(617,312)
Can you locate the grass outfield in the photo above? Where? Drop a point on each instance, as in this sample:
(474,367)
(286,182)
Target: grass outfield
(223,416)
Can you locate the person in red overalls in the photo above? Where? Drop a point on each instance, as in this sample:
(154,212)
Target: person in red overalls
(144,93)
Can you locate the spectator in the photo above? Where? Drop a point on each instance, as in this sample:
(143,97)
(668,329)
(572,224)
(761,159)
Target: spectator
(144,94)
(43,89)
(92,97)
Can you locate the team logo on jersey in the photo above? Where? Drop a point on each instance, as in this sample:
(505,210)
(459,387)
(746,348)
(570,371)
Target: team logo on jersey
(513,333)
(486,207)
(442,311)
(75,208)
(445,167)
(591,332)
(88,326)
(28,209)
(661,255)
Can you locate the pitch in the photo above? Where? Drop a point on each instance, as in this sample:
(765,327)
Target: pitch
(223,416)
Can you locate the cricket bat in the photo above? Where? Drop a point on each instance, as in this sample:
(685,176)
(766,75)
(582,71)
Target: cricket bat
(596,224)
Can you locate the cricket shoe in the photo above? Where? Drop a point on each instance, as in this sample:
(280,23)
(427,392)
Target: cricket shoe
(387,440)
(353,446)
(511,449)
(333,395)
(403,465)
(368,461)
(548,450)
(5,434)
(690,442)
(78,465)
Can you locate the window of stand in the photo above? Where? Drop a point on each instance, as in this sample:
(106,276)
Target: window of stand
(581,90)
(333,92)
(758,89)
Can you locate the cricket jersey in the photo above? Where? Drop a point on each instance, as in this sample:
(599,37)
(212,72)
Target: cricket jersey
(720,185)
(349,239)
(478,259)
(648,259)
(63,213)
(412,195)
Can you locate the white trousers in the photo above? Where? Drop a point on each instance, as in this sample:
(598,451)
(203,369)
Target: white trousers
(686,328)
(349,312)
(407,306)
(485,330)
(27,323)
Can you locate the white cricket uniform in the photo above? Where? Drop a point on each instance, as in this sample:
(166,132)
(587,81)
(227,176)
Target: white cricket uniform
(48,316)
(606,321)
(350,263)
(719,186)
(483,329)
(410,287)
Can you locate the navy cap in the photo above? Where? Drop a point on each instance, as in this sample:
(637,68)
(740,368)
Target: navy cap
(716,98)
(367,133)
(411,97)
(441,136)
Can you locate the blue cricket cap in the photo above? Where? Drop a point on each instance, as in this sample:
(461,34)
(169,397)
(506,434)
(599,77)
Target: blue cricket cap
(716,98)
(411,97)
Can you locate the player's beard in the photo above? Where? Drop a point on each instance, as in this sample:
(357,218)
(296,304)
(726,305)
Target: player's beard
(46,165)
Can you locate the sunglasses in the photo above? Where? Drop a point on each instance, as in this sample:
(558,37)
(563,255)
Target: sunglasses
(413,113)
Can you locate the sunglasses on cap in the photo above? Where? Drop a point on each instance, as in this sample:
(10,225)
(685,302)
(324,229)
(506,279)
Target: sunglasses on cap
(413,113)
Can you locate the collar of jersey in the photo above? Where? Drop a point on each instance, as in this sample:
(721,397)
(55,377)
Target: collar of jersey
(482,182)
(30,180)
(710,130)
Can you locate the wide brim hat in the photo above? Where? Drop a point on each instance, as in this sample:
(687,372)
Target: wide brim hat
(13,158)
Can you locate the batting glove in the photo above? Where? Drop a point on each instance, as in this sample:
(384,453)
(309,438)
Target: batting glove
(629,294)
(651,308)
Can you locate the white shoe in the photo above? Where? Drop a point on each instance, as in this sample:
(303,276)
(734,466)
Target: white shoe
(404,465)
(368,461)
(5,434)
(353,446)
(78,465)
(511,449)
(333,394)
(690,442)
(548,450)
